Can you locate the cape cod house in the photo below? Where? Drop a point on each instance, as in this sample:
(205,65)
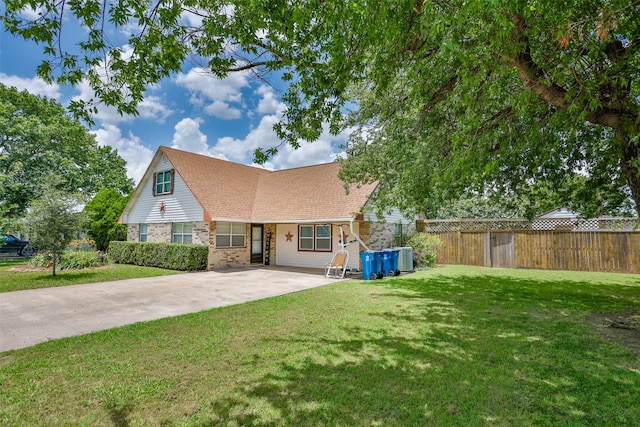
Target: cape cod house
(248,215)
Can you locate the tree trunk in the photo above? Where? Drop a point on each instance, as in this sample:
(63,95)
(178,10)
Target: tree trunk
(629,165)
(53,267)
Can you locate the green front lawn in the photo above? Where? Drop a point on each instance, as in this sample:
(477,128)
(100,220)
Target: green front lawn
(13,276)
(450,346)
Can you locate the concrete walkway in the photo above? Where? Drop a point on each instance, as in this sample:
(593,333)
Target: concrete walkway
(34,316)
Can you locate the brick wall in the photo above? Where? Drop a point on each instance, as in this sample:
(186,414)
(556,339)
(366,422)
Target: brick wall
(133,232)
(228,257)
(163,232)
(382,235)
(201,232)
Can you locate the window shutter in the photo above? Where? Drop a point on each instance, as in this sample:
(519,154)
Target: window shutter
(173,180)
(153,188)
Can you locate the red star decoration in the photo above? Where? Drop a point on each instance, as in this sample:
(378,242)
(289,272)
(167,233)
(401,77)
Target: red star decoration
(288,236)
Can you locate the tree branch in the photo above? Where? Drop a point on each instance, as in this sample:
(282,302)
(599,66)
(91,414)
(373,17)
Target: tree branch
(252,65)
(533,78)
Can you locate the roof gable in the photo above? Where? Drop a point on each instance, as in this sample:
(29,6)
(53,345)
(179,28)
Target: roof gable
(308,193)
(224,189)
(232,191)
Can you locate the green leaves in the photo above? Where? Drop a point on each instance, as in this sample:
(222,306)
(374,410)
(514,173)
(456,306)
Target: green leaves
(40,144)
(102,214)
(450,97)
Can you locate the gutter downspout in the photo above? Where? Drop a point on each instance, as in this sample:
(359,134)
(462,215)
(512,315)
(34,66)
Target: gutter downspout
(353,233)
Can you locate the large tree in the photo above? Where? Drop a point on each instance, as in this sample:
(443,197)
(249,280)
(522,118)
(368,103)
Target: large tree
(40,143)
(450,97)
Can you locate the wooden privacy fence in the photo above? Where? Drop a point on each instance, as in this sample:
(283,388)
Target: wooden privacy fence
(595,250)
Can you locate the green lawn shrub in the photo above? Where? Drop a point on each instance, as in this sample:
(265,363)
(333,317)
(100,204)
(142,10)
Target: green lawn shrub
(70,260)
(172,256)
(425,247)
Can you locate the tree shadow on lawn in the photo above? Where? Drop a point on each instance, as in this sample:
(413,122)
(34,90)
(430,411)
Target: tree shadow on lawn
(353,385)
(560,294)
(426,366)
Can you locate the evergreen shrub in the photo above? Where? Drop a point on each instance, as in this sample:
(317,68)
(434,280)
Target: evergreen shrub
(172,256)
(425,247)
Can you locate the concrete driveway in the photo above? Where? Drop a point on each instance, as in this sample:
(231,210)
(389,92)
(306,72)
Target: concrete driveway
(34,316)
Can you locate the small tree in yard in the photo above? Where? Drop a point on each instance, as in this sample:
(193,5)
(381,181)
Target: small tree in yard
(102,214)
(51,222)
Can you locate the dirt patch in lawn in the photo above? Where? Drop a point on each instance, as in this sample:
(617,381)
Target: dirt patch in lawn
(27,269)
(618,328)
(30,269)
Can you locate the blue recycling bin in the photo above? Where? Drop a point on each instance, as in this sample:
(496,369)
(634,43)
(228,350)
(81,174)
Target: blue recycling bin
(378,255)
(390,262)
(371,264)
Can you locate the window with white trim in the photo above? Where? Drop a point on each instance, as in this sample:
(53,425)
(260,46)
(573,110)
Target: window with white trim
(143,232)
(182,232)
(163,183)
(314,238)
(231,234)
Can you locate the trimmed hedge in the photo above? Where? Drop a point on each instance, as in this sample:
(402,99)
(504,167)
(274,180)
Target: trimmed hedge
(172,256)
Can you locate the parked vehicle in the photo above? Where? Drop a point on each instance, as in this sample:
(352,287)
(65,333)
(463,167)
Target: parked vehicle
(11,244)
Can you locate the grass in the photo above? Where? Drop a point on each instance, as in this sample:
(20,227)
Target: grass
(16,281)
(450,346)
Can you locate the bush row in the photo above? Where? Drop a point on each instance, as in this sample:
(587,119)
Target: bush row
(171,256)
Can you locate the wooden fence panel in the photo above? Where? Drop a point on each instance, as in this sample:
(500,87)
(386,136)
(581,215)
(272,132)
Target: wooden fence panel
(501,250)
(472,248)
(606,251)
(449,251)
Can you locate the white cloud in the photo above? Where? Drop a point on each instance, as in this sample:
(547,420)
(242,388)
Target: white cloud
(33,14)
(216,94)
(188,137)
(150,108)
(241,150)
(34,85)
(129,148)
(269,104)
(223,110)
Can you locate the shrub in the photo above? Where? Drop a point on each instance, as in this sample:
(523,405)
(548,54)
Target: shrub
(425,246)
(69,260)
(171,256)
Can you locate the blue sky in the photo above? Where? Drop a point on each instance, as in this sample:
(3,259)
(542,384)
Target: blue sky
(192,111)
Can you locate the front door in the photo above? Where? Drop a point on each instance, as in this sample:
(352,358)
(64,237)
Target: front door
(256,243)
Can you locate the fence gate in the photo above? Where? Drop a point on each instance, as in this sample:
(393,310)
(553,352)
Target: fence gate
(501,250)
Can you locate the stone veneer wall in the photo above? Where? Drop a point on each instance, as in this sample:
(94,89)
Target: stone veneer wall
(200,232)
(159,232)
(133,232)
(383,234)
(228,257)
(163,232)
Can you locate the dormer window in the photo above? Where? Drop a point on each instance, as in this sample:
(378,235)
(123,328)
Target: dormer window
(163,183)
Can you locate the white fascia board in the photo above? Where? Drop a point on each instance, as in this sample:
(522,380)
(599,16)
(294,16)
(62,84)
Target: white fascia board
(287,221)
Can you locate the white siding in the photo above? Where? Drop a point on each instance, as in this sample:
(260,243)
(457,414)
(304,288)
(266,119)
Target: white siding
(392,217)
(181,206)
(287,253)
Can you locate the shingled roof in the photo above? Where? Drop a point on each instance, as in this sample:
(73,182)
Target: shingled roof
(232,191)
